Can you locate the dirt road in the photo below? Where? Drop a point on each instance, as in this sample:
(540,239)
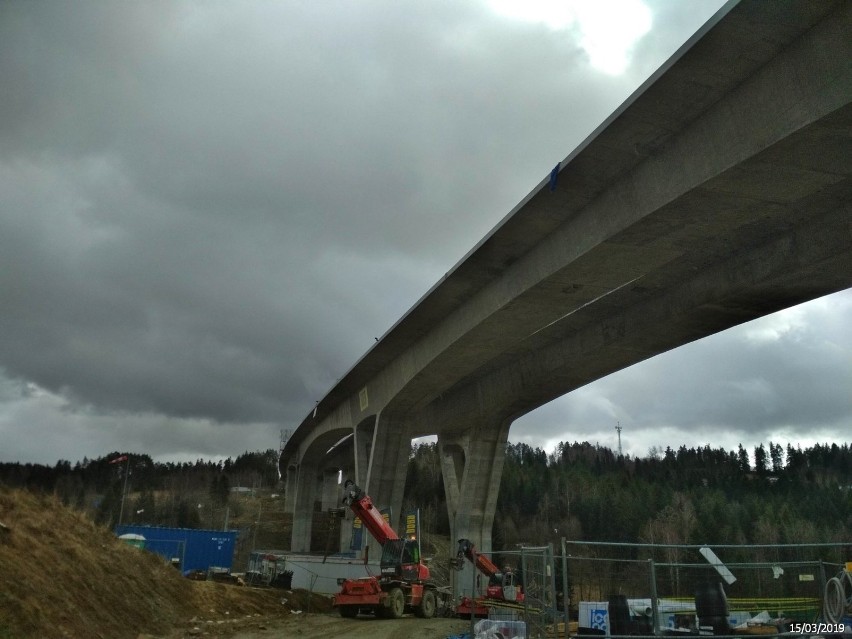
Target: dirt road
(332,626)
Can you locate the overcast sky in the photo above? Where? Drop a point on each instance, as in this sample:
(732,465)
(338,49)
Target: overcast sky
(208,210)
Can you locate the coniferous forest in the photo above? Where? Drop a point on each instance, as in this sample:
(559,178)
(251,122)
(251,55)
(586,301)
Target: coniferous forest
(770,495)
(182,495)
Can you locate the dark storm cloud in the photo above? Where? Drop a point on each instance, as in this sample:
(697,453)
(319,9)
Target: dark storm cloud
(209,210)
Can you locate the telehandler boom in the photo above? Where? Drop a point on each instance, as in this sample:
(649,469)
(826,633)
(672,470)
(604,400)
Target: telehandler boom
(404,583)
(502,589)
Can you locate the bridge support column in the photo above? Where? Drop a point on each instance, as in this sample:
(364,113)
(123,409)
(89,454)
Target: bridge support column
(290,472)
(330,489)
(471,464)
(363,445)
(386,468)
(303,508)
(388,465)
(291,475)
(347,472)
(330,500)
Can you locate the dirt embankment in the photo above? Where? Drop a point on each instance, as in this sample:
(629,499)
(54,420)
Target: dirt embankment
(62,576)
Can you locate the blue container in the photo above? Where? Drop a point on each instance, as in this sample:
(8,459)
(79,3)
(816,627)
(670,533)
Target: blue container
(194,549)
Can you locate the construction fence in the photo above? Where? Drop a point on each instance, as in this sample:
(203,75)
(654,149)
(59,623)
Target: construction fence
(607,589)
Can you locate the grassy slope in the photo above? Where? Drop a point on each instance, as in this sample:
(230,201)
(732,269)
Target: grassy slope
(63,576)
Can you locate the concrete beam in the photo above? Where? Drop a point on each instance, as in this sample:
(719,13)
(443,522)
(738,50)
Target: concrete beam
(805,263)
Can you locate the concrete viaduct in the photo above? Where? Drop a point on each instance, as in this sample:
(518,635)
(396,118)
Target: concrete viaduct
(718,193)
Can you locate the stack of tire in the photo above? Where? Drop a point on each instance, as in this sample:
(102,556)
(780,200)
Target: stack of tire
(619,616)
(711,608)
(837,601)
(283,579)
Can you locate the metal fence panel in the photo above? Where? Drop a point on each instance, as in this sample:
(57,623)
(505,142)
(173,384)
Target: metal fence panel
(642,589)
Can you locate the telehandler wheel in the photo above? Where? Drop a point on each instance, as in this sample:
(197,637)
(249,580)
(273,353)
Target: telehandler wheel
(395,604)
(428,605)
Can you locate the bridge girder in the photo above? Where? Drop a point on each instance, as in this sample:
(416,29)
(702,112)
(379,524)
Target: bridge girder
(719,193)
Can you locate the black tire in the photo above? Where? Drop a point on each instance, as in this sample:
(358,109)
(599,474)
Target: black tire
(428,605)
(348,611)
(720,625)
(619,615)
(394,604)
(710,601)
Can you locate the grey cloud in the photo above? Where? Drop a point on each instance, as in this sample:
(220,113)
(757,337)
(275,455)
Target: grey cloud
(209,210)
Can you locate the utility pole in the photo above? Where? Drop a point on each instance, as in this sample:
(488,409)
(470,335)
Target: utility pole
(124,490)
(618,428)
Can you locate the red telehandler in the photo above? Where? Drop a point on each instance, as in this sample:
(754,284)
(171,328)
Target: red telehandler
(404,583)
(502,590)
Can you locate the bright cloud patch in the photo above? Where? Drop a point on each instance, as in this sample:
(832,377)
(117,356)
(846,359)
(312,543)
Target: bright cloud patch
(607,30)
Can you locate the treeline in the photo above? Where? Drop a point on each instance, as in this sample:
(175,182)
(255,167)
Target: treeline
(775,495)
(770,495)
(185,495)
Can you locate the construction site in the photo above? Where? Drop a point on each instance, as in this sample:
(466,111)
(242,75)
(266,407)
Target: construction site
(580,588)
(64,576)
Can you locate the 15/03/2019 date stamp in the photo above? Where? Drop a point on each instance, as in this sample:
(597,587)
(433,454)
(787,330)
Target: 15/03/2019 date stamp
(818,628)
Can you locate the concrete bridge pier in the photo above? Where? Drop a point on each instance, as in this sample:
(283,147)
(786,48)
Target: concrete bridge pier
(347,471)
(332,493)
(362,443)
(471,464)
(290,472)
(312,478)
(380,452)
(330,488)
(300,496)
(388,465)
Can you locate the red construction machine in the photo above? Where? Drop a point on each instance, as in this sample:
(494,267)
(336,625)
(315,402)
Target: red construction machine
(502,589)
(403,585)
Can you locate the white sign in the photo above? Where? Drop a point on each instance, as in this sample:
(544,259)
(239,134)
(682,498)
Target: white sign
(721,568)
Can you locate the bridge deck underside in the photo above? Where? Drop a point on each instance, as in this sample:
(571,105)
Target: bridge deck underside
(718,194)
